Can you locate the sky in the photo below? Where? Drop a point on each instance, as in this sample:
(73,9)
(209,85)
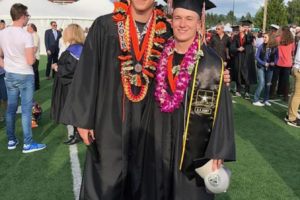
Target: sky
(241,7)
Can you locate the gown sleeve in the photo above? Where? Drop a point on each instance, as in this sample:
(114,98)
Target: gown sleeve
(80,106)
(221,143)
(234,46)
(66,69)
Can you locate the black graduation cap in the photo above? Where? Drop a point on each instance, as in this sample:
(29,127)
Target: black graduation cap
(235,28)
(194,5)
(246,22)
(2,21)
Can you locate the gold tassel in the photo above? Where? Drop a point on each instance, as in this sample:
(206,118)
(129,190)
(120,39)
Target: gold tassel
(203,23)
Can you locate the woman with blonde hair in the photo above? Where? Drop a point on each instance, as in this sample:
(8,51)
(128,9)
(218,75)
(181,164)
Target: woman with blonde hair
(65,68)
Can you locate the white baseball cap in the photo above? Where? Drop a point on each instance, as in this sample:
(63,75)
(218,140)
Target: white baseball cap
(275,26)
(215,182)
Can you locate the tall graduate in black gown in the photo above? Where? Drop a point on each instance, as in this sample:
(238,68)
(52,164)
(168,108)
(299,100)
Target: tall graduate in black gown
(244,65)
(109,101)
(191,124)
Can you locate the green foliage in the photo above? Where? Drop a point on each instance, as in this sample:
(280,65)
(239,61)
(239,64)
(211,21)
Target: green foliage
(258,19)
(214,19)
(230,17)
(293,10)
(277,14)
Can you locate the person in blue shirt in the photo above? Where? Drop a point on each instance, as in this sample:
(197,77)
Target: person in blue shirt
(267,57)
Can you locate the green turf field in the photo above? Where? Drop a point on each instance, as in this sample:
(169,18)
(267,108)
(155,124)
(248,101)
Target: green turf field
(267,166)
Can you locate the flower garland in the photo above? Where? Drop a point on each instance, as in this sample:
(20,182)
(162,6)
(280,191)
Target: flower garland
(167,102)
(138,74)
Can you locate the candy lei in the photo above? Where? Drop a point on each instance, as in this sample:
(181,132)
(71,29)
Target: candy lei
(167,102)
(138,74)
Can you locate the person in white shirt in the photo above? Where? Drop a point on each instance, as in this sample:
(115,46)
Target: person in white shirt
(31,28)
(63,43)
(2,24)
(17,57)
(294,102)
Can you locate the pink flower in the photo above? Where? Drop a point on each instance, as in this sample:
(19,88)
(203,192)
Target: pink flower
(167,102)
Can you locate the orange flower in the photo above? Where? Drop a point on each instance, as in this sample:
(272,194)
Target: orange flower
(120,6)
(148,73)
(118,17)
(159,40)
(139,80)
(155,52)
(160,13)
(160,26)
(124,58)
(152,63)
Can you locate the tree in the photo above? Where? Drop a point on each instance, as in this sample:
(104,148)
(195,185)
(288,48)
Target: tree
(248,16)
(293,10)
(243,18)
(277,14)
(258,19)
(230,17)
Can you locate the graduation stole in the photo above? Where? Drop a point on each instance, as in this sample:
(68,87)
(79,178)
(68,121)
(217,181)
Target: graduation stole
(203,102)
(138,74)
(242,39)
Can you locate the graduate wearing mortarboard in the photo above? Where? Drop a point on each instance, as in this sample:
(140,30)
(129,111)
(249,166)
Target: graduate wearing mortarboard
(244,60)
(235,31)
(193,113)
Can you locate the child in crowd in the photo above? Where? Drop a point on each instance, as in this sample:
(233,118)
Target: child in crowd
(267,57)
(65,68)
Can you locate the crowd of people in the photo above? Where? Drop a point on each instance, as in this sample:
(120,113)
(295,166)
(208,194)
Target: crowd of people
(153,110)
(269,57)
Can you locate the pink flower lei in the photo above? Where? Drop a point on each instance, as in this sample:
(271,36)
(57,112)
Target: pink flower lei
(167,102)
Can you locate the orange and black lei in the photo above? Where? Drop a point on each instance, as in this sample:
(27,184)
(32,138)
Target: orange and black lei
(153,47)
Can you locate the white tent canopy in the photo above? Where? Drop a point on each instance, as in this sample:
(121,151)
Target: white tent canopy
(43,12)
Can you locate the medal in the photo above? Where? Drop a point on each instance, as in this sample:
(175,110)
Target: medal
(138,68)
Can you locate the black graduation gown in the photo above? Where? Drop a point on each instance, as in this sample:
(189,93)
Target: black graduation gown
(61,84)
(95,101)
(211,142)
(244,62)
(230,63)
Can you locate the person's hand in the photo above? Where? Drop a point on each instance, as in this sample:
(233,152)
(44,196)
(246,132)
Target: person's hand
(217,163)
(272,64)
(241,49)
(226,76)
(267,64)
(1,63)
(228,57)
(48,52)
(225,64)
(87,135)
(54,67)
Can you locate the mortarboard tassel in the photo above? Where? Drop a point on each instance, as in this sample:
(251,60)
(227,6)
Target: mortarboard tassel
(170,7)
(203,22)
